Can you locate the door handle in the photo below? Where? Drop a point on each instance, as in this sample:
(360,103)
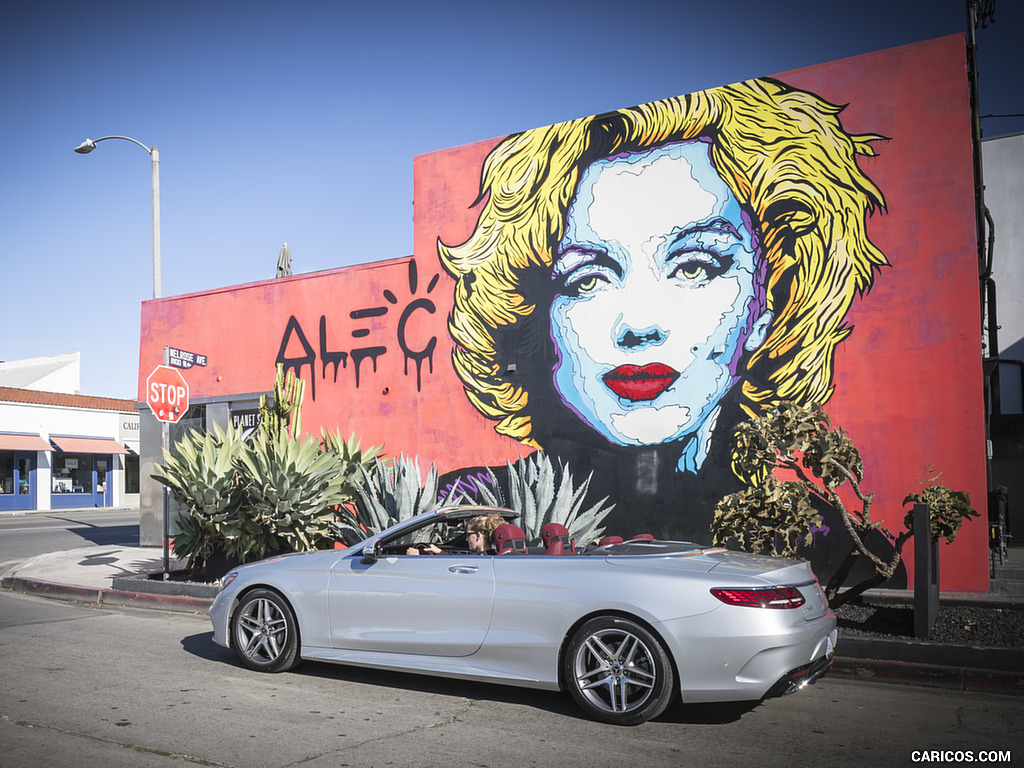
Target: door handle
(463,569)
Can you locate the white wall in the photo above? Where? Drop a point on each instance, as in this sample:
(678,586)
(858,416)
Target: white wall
(53,373)
(1003,165)
(48,420)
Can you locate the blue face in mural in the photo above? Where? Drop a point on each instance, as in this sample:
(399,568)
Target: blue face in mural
(657,297)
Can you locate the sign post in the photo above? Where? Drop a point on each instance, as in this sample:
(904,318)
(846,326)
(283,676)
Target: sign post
(167,398)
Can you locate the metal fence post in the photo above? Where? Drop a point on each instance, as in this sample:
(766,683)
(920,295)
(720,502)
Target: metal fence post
(926,573)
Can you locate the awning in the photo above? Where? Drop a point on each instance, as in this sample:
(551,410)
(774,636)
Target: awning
(9,442)
(87,444)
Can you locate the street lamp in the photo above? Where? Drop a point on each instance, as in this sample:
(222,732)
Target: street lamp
(88,146)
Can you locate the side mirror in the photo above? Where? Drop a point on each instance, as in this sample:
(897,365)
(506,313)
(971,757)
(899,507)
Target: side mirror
(372,553)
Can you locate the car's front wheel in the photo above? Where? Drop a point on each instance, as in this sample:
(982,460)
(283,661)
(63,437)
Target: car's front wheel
(264,632)
(618,672)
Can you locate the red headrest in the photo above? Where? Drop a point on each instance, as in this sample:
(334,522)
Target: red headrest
(509,538)
(553,534)
(607,540)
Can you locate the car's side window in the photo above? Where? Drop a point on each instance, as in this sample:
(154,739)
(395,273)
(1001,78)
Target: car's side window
(438,534)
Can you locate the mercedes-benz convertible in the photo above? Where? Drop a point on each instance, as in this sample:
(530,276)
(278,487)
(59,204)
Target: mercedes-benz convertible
(624,626)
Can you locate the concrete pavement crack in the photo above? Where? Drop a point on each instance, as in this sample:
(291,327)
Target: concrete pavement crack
(121,744)
(468,704)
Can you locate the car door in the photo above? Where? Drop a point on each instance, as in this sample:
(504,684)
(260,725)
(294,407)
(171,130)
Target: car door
(432,605)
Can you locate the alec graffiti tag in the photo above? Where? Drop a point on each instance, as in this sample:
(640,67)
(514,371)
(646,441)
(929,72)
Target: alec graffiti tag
(364,329)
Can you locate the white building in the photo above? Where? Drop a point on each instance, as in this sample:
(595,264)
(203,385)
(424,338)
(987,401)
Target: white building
(53,373)
(60,449)
(1004,195)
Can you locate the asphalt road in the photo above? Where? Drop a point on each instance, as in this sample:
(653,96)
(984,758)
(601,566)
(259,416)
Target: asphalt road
(118,687)
(23,536)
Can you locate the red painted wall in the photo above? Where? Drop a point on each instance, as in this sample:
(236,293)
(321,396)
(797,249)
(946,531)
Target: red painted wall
(908,383)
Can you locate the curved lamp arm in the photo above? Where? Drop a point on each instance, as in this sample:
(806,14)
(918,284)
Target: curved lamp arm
(89,145)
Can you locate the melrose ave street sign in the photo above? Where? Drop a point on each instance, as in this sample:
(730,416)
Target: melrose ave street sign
(167,393)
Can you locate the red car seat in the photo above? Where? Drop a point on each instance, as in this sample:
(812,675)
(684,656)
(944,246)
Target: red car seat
(509,538)
(556,539)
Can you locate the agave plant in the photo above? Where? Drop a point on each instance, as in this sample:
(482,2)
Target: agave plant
(245,498)
(389,493)
(353,460)
(292,489)
(202,478)
(542,493)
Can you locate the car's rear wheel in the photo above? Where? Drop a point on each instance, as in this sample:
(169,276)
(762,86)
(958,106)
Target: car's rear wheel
(618,672)
(264,632)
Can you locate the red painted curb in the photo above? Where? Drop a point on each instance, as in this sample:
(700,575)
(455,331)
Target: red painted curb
(54,590)
(182,603)
(112,597)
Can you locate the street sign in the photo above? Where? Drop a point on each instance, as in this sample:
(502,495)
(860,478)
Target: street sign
(180,358)
(167,393)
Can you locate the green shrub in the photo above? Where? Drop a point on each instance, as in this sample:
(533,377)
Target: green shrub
(273,491)
(775,517)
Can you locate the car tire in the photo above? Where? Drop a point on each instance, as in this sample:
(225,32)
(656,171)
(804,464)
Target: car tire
(618,672)
(264,633)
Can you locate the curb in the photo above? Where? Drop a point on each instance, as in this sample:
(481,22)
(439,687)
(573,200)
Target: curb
(146,585)
(113,597)
(906,597)
(1009,660)
(932,675)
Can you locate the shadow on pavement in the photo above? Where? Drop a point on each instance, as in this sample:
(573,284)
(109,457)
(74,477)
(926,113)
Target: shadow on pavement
(718,713)
(121,535)
(202,646)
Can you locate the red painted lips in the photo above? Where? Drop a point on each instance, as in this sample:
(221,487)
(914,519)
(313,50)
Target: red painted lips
(640,382)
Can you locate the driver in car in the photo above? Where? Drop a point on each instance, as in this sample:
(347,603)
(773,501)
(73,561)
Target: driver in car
(479,538)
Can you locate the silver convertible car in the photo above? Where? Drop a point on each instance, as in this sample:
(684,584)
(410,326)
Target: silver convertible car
(624,626)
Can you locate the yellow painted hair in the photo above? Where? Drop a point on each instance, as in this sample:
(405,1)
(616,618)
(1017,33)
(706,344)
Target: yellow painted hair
(783,153)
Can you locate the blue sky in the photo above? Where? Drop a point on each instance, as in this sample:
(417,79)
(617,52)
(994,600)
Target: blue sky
(299,122)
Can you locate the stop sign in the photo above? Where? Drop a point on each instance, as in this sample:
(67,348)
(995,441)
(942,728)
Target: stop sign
(167,393)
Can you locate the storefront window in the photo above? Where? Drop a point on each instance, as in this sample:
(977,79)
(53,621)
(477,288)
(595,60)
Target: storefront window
(131,474)
(6,472)
(72,473)
(193,420)
(24,473)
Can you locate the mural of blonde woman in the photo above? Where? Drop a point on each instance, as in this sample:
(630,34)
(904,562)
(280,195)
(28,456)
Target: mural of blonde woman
(639,281)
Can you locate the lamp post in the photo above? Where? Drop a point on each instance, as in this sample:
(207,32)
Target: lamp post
(85,148)
(89,145)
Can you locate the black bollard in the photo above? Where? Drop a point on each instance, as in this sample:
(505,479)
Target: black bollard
(926,573)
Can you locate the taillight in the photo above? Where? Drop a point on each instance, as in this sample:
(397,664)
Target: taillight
(764,597)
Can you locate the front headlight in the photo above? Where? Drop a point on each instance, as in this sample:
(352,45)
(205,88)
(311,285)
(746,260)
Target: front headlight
(227,579)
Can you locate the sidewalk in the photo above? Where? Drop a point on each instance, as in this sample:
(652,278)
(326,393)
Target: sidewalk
(115,576)
(109,575)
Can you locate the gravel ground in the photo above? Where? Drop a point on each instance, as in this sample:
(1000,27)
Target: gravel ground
(954,624)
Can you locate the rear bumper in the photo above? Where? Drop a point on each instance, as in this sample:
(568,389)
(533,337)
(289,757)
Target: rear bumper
(735,664)
(799,678)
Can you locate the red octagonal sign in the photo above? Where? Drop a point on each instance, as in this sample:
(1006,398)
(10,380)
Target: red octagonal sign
(167,393)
